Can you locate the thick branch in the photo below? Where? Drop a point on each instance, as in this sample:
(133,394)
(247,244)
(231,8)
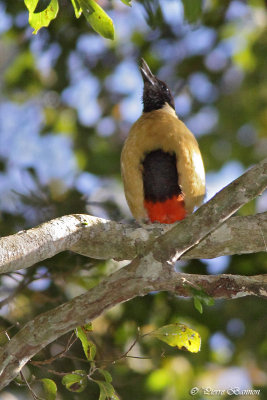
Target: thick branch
(101,239)
(207,218)
(238,235)
(98,238)
(146,273)
(123,285)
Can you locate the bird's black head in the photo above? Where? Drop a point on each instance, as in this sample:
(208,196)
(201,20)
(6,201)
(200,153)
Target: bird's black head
(156,93)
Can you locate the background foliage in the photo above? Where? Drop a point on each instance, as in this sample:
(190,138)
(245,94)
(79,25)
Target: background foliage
(68,98)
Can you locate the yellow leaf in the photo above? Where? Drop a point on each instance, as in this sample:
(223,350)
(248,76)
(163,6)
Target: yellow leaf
(179,335)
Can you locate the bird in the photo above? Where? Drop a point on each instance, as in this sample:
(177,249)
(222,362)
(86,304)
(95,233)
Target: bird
(161,164)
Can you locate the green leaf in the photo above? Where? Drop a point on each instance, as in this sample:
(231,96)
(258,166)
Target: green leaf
(192,9)
(127,2)
(179,335)
(198,304)
(107,391)
(41,6)
(76,381)
(89,347)
(106,375)
(208,300)
(201,297)
(50,389)
(41,19)
(154,14)
(88,327)
(97,18)
(77,8)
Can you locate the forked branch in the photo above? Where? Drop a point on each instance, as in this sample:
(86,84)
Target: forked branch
(150,270)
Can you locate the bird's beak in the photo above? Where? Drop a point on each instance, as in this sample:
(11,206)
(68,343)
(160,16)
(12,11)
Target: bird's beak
(146,73)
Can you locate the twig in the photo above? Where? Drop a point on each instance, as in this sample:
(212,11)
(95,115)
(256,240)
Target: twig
(58,355)
(25,380)
(52,371)
(29,387)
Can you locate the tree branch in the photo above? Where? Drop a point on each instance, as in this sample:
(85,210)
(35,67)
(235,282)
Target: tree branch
(98,238)
(149,271)
(123,285)
(238,235)
(102,239)
(211,215)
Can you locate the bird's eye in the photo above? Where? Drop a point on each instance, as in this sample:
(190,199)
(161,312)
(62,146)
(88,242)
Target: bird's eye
(164,87)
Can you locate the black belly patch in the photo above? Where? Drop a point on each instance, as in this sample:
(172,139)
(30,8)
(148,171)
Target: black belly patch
(160,176)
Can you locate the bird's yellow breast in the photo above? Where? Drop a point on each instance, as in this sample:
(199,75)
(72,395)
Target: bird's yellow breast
(161,129)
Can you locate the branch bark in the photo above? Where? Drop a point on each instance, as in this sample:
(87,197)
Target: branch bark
(149,271)
(102,239)
(123,285)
